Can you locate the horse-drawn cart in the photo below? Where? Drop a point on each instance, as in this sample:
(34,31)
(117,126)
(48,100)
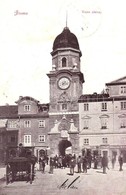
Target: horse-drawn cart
(20,168)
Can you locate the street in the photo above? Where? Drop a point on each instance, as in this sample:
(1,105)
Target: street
(94,182)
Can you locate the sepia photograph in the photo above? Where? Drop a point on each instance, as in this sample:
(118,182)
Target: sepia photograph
(62,97)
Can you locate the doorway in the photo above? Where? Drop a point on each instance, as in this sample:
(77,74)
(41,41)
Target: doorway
(42,153)
(63,144)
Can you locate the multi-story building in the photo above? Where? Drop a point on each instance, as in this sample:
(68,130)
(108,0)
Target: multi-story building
(33,124)
(8,134)
(25,123)
(103,119)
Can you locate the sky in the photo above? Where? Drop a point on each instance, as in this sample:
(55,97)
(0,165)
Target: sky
(27,32)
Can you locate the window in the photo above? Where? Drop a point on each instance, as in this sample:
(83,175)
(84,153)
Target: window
(123,105)
(123,123)
(86,124)
(105,140)
(104,121)
(86,107)
(86,141)
(27,140)
(86,121)
(64,106)
(12,139)
(41,138)
(41,123)
(64,62)
(123,89)
(104,106)
(27,108)
(27,124)
(12,124)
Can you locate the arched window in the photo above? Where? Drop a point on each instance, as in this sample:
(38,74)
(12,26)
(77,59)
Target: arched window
(64,62)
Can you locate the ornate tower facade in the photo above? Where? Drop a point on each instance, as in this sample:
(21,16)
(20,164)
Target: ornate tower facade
(66,86)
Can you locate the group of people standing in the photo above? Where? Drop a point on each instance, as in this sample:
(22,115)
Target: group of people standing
(83,162)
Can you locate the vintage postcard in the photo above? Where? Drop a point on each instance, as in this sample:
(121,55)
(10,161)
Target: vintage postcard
(62,97)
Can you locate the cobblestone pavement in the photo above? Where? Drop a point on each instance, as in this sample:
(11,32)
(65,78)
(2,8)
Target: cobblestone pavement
(94,182)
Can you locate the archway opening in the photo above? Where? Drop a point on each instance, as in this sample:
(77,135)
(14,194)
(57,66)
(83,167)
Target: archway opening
(42,153)
(63,144)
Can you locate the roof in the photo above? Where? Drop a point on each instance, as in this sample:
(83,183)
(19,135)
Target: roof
(99,98)
(120,81)
(8,111)
(21,98)
(66,39)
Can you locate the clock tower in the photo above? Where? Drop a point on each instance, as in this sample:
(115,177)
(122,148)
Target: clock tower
(66,86)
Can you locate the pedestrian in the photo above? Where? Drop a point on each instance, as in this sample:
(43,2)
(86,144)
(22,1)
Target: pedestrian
(79,162)
(60,162)
(56,161)
(47,159)
(43,165)
(72,165)
(120,159)
(113,161)
(100,161)
(40,163)
(64,162)
(84,164)
(104,163)
(95,162)
(89,160)
(51,165)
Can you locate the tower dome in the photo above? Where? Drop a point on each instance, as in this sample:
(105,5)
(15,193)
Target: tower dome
(66,39)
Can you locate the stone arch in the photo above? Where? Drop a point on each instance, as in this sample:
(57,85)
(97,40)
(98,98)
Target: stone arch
(42,153)
(63,144)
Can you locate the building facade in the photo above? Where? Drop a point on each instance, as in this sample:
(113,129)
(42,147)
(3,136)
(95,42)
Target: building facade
(8,133)
(25,123)
(103,120)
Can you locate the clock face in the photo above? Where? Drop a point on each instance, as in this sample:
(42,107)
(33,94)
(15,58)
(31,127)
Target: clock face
(63,83)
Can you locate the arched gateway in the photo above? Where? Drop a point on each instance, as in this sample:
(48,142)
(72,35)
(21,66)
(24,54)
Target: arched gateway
(63,145)
(63,137)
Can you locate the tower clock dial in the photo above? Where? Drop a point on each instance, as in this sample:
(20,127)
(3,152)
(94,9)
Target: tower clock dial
(63,83)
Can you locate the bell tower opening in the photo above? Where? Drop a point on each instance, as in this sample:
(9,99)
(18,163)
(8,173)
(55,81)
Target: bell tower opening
(64,62)
(63,145)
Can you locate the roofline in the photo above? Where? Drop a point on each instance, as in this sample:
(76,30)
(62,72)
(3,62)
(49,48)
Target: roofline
(120,83)
(66,48)
(21,98)
(102,99)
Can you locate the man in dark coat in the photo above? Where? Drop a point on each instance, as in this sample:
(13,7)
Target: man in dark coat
(79,161)
(51,165)
(104,163)
(84,164)
(120,159)
(72,165)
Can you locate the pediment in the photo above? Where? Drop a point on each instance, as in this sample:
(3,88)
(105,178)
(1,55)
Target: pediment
(104,116)
(86,117)
(122,116)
